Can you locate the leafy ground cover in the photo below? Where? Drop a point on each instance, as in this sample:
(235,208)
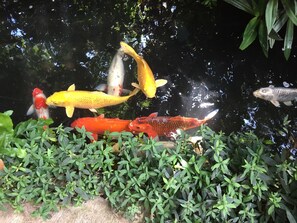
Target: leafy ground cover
(234,178)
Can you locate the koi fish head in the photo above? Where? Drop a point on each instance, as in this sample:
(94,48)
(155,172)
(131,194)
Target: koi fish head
(150,91)
(36,92)
(57,99)
(137,126)
(266,93)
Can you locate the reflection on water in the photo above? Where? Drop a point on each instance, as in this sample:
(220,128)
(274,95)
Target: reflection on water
(195,49)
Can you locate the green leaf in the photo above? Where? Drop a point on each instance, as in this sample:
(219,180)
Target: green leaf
(263,38)
(270,210)
(82,193)
(271,14)
(280,21)
(288,39)
(6,132)
(289,6)
(290,217)
(241,4)
(21,153)
(6,125)
(250,33)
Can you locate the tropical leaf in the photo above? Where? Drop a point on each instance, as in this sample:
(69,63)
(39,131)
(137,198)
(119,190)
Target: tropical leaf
(289,6)
(263,38)
(288,39)
(250,33)
(280,21)
(242,4)
(271,14)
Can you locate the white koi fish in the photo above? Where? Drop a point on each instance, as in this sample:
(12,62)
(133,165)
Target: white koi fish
(115,77)
(277,94)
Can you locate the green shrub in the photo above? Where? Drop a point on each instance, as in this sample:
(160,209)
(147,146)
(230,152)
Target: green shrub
(235,179)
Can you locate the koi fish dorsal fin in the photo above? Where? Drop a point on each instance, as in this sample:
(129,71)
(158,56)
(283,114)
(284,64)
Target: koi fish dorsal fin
(161,82)
(153,115)
(71,88)
(69,111)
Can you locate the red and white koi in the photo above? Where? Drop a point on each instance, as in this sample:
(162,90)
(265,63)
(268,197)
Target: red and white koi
(39,106)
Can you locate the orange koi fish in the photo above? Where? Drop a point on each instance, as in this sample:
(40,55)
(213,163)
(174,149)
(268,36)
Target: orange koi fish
(39,105)
(98,125)
(1,165)
(154,125)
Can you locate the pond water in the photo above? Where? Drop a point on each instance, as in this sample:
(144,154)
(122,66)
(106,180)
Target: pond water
(52,45)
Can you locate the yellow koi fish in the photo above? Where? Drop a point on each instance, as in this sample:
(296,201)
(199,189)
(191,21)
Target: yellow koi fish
(91,100)
(146,80)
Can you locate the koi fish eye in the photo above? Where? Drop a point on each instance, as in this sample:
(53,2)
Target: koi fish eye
(264,90)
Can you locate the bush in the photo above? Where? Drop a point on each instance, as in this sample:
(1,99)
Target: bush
(233,178)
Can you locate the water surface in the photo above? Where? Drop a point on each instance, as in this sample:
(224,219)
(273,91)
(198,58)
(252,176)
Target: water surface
(51,45)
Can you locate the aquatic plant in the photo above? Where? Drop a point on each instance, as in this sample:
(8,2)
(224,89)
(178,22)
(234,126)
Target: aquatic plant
(233,178)
(269,17)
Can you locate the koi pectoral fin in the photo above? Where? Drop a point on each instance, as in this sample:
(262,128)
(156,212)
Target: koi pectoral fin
(161,82)
(152,134)
(93,110)
(30,110)
(135,85)
(288,103)
(69,111)
(101,87)
(95,137)
(275,103)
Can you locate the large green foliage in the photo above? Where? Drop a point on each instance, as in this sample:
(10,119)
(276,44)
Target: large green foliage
(233,178)
(269,17)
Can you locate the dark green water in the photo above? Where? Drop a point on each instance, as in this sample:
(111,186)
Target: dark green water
(50,45)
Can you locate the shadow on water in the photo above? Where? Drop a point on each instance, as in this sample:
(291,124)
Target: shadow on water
(51,46)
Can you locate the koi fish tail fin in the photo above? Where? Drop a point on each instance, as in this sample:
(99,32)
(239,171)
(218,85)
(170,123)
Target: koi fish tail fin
(129,50)
(211,115)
